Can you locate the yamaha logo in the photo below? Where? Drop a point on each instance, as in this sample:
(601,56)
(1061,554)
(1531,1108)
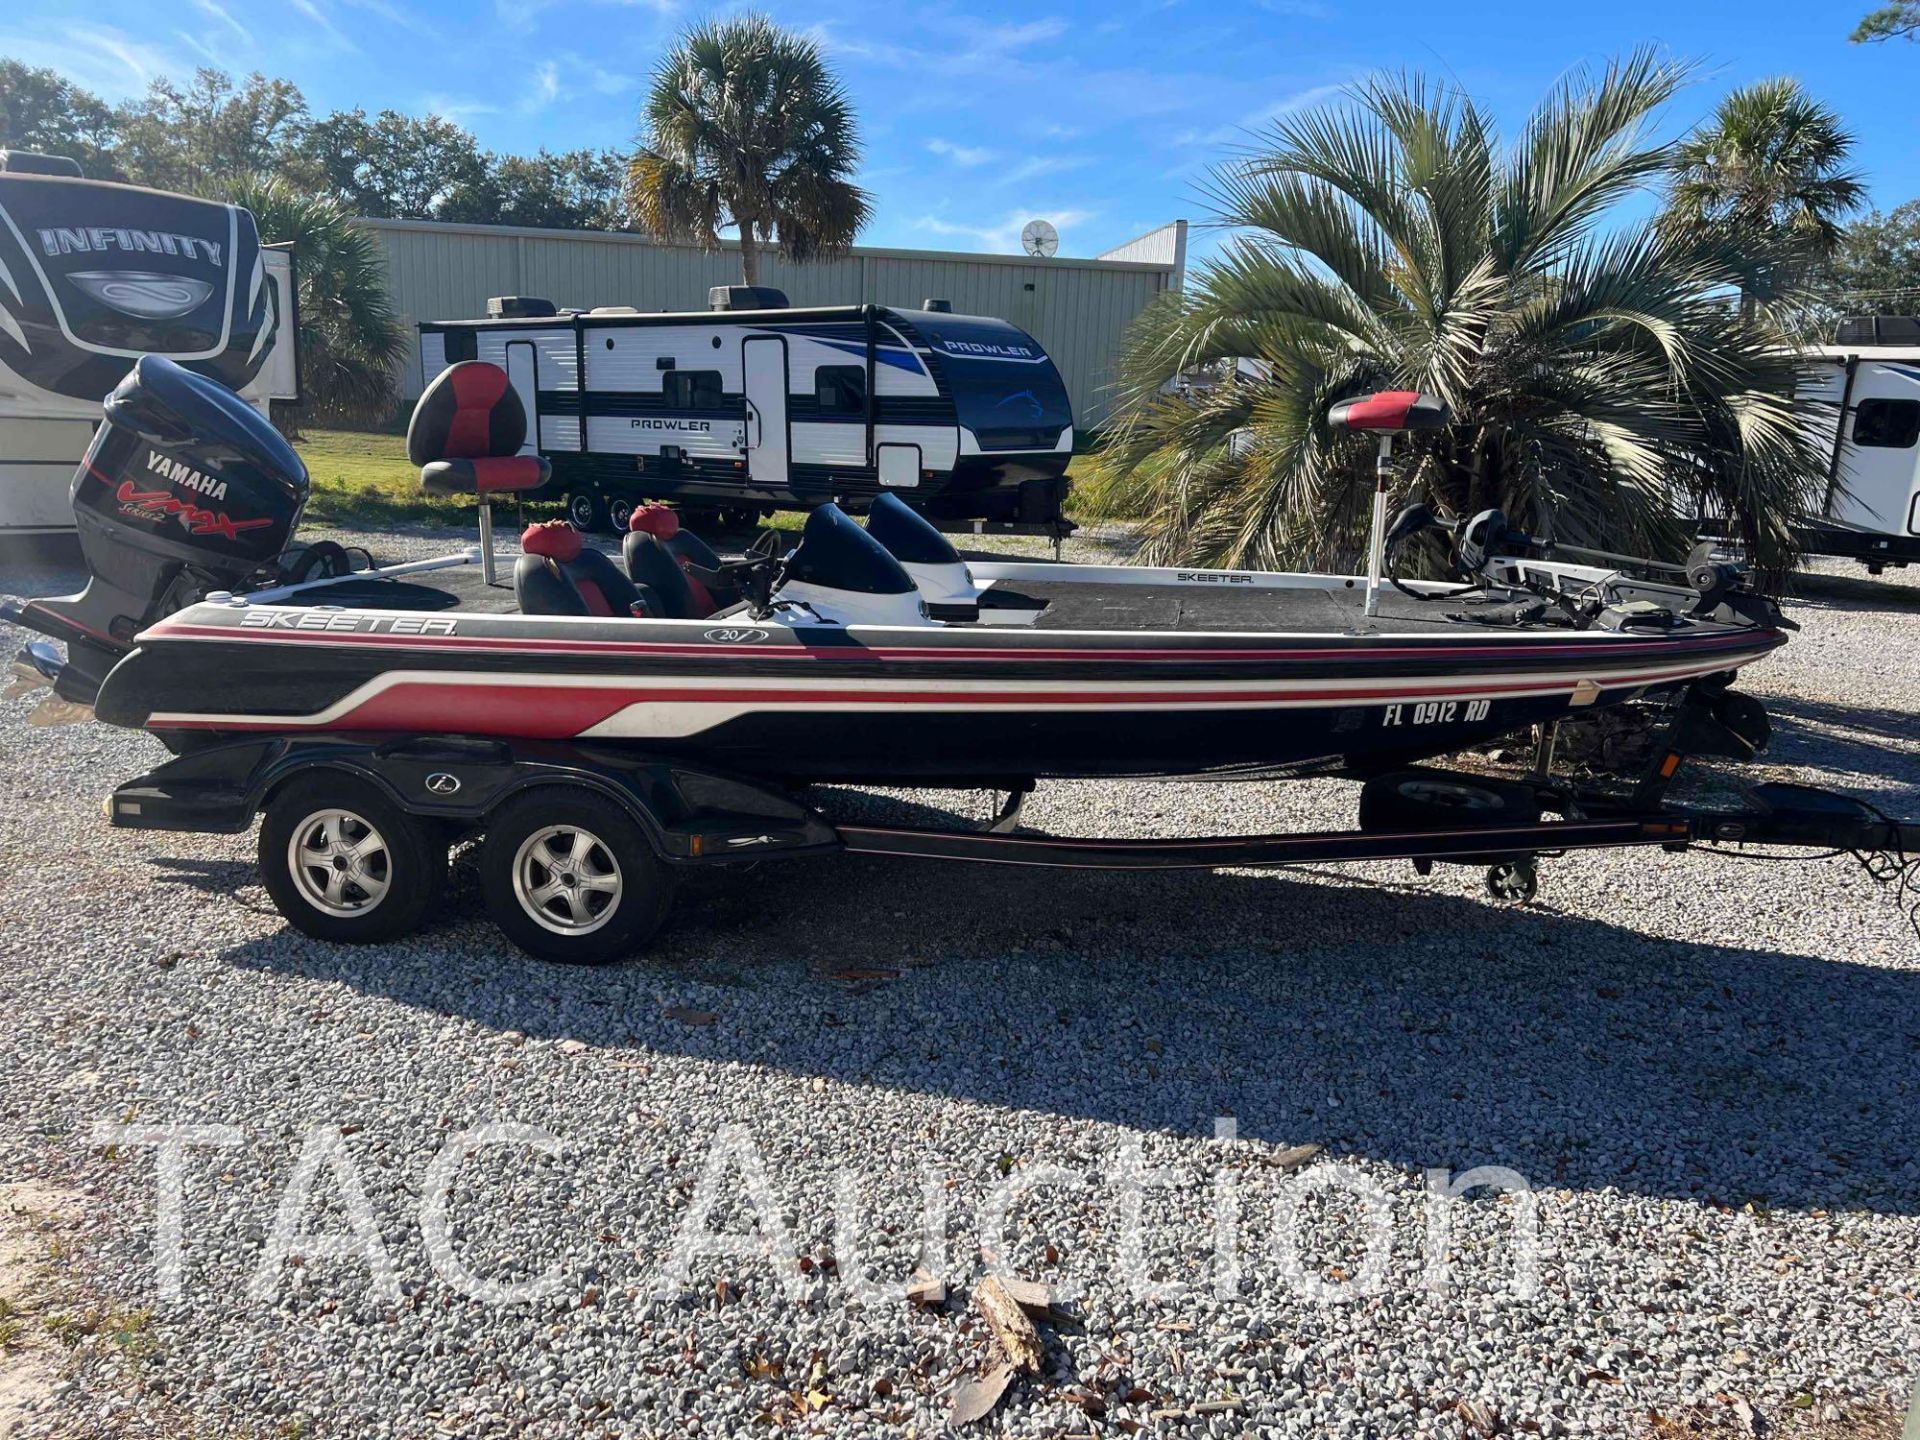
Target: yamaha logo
(733,635)
(441,783)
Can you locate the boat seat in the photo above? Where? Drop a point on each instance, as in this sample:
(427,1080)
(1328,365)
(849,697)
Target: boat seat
(651,565)
(559,574)
(663,524)
(466,434)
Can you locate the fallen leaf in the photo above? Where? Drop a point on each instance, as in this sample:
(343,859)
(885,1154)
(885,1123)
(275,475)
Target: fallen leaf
(1479,1418)
(1295,1156)
(974,1399)
(687,1015)
(923,1289)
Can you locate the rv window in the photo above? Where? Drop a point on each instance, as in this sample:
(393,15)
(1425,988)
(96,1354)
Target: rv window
(840,389)
(692,389)
(460,345)
(1891,424)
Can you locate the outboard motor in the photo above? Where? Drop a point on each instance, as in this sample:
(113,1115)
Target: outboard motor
(185,490)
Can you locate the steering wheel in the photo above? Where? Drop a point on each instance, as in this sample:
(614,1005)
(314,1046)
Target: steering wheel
(756,575)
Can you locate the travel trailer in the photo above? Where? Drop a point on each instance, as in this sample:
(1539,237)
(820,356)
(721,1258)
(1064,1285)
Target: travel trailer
(1862,400)
(94,275)
(752,406)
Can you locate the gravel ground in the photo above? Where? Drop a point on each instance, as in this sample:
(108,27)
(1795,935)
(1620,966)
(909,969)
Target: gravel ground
(1705,1070)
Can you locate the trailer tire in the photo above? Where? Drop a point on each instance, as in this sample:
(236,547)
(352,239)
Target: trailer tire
(568,876)
(344,863)
(619,512)
(587,510)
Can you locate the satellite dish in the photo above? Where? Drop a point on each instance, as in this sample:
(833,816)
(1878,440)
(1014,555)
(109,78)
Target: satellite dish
(1040,238)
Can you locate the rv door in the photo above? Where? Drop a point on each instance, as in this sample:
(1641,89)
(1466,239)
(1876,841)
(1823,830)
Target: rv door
(523,374)
(1879,461)
(764,365)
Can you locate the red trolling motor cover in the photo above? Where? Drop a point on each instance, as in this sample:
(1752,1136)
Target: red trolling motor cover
(1389,410)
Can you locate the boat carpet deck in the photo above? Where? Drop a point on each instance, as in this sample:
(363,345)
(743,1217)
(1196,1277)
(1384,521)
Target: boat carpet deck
(1069,605)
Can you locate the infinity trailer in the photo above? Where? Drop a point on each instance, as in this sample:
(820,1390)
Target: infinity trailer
(752,406)
(94,275)
(1862,400)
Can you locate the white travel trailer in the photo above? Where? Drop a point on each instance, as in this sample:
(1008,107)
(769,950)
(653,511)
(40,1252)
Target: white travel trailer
(752,406)
(94,275)
(1862,400)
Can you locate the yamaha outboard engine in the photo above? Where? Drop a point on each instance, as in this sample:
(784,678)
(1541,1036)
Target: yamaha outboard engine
(185,490)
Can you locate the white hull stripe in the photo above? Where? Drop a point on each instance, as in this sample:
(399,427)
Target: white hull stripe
(650,701)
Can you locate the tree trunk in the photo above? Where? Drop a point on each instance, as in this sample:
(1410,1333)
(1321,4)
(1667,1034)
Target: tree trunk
(749,254)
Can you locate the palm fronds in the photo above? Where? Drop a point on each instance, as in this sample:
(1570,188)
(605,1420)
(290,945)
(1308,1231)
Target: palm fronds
(1601,379)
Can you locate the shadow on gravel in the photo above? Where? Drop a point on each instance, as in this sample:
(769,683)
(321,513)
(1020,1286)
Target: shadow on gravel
(1852,592)
(1392,1022)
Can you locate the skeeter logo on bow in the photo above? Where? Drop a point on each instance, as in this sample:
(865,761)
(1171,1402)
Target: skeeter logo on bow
(158,504)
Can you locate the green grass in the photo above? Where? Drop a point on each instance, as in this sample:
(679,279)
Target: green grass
(362,481)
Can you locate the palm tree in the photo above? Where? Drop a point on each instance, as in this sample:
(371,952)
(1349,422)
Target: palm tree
(350,339)
(1597,380)
(745,128)
(1771,159)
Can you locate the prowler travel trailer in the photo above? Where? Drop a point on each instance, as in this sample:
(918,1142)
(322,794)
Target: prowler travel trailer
(94,275)
(751,406)
(1862,399)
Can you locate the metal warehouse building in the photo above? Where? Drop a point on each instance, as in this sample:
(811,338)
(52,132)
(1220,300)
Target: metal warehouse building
(1078,309)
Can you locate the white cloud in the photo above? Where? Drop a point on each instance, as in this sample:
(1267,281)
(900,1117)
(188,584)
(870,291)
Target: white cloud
(219,12)
(1002,236)
(1045,165)
(967,155)
(325,21)
(1243,129)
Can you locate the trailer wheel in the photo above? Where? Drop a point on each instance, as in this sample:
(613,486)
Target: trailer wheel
(619,512)
(1515,881)
(344,863)
(568,876)
(587,509)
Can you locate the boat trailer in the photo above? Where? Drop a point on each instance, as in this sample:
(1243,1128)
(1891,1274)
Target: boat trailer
(692,815)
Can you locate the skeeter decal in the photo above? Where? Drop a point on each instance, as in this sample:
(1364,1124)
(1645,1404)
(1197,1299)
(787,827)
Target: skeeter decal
(347,620)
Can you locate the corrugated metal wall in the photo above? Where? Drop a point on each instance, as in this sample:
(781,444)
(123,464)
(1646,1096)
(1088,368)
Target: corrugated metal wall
(1078,309)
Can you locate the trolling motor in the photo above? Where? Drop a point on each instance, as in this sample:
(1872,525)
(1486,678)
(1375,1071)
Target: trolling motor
(1386,414)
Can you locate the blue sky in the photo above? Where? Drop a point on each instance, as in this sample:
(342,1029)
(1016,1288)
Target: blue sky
(1101,117)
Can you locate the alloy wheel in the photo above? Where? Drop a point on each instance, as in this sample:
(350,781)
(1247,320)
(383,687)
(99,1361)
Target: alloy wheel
(567,879)
(340,863)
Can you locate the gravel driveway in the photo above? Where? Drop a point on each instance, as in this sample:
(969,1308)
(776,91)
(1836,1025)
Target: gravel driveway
(1706,1072)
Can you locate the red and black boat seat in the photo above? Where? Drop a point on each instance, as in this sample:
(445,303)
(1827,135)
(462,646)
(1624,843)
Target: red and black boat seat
(558,573)
(466,431)
(656,541)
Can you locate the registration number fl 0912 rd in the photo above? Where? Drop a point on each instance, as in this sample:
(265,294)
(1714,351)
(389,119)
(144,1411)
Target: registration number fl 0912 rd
(1437,712)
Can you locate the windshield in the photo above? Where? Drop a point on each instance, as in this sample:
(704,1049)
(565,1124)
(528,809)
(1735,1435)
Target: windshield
(1005,389)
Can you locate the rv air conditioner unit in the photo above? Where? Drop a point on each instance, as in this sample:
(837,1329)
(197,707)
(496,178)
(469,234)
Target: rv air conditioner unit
(1879,330)
(937,307)
(519,307)
(746,297)
(25,162)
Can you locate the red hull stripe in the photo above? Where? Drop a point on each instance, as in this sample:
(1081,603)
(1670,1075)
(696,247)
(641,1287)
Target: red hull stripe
(1681,650)
(559,711)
